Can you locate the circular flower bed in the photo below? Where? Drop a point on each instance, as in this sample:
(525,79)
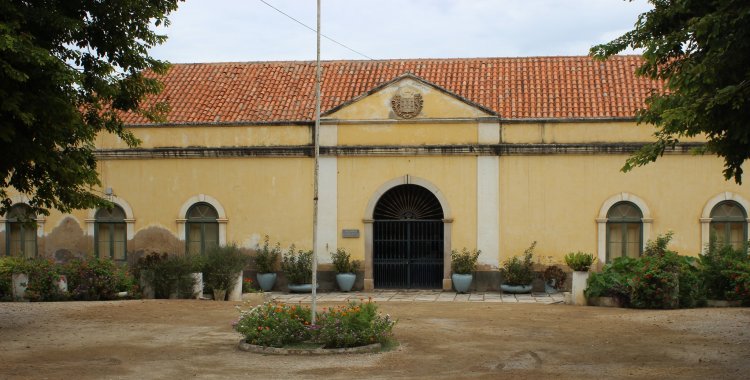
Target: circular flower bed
(356,324)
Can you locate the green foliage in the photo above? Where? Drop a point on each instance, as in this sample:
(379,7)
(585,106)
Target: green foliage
(660,279)
(96,279)
(297,266)
(353,325)
(579,261)
(266,257)
(275,325)
(8,265)
(170,274)
(464,262)
(222,265)
(554,276)
(342,262)
(715,262)
(68,70)
(701,50)
(739,288)
(517,271)
(43,276)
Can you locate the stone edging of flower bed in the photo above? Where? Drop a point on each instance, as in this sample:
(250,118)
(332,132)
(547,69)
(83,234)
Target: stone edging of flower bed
(370,348)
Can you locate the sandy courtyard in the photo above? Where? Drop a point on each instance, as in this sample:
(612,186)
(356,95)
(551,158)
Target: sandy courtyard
(161,339)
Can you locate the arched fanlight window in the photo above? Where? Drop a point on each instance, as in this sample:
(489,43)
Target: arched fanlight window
(20,238)
(202,228)
(624,231)
(729,224)
(110,234)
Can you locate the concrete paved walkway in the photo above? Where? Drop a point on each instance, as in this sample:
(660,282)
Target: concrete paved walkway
(419,296)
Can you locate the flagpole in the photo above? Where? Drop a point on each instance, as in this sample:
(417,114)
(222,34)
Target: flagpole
(317,167)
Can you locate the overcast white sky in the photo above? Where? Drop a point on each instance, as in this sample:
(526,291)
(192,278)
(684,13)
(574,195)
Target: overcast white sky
(248,30)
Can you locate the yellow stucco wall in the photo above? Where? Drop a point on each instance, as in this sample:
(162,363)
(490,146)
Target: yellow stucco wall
(360,178)
(556,199)
(580,132)
(212,136)
(407,134)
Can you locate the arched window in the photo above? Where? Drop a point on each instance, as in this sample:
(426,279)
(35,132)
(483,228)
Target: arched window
(202,228)
(624,231)
(729,224)
(20,238)
(110,234)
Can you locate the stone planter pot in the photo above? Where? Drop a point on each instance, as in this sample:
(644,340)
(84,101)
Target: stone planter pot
(580,281)
(147,290)
(461,282)
(20,283)
(235,293)
(62,283)
(301,288)
(549,289)
(345,281)
(220,294)
(516,289)
(266,281)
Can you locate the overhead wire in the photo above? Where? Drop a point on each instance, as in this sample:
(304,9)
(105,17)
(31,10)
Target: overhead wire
(313,29)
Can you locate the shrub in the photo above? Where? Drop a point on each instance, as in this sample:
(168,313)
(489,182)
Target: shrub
(7,268)
(222,264)
(170,274)
(716,265)
(342,262)
(353,325)
(518,271)
(297,266)
(266,258)
(579,261)
(43,276)
(464,262)
(613,280)
(94,278)
(275,325)
(692,291)
(739,276)
(555,277)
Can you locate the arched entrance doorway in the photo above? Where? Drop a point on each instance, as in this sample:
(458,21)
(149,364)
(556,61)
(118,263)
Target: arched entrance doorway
(408,239)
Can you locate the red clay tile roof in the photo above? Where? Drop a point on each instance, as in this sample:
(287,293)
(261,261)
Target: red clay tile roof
(515,88)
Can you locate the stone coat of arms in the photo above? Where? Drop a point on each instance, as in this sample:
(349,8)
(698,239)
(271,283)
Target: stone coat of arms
(407,104)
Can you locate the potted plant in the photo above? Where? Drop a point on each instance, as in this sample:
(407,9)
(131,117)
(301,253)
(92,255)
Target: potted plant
(297,267)
(265,263)
(462,265)
(223,269)
(579,262)
(518,273)
(554,279)
(346,269)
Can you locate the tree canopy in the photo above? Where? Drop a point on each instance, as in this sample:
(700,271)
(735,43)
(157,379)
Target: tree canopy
(68,68)
(701,50)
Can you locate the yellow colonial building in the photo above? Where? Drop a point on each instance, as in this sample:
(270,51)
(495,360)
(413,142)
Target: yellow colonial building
(418,157)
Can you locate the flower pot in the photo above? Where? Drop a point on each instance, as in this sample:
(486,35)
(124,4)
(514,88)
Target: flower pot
(197,284)
(301,288)
(345,281)
(516,289)
(20,281)
(235,293)
(580,281)
(62,283)
(550,289)
(220,294)
(266,281)
(462,282)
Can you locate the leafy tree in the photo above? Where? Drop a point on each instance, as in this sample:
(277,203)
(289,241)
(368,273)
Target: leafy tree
(701,50)
(68,70)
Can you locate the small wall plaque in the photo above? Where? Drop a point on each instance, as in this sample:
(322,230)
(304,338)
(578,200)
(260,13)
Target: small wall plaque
(350,233)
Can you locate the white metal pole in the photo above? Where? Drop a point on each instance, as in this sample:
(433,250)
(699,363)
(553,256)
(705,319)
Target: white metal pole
(317,166)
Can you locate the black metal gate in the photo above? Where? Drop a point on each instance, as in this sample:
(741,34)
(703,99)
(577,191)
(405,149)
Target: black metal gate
(408,239)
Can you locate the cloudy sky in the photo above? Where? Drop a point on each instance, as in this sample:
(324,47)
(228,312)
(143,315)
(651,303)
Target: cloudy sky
(249,30)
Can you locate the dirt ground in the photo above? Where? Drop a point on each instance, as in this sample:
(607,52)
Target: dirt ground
(170,339)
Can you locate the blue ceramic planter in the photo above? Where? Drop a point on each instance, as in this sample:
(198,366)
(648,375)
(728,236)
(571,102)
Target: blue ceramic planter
(301,288)
(517,289)
(345,281)
(461,282)
(266,281)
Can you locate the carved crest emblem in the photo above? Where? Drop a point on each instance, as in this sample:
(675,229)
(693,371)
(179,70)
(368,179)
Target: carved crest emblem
(407,104)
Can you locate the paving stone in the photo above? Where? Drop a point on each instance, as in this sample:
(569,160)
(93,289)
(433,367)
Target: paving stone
(462,298)
(446,297)
(476,297)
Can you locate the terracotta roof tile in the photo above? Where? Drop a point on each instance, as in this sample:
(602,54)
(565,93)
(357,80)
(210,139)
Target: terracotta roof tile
(515,88)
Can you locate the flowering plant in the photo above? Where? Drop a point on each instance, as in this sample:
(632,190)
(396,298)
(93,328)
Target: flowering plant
(272,324)
(352,325)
